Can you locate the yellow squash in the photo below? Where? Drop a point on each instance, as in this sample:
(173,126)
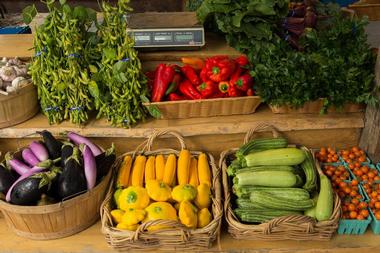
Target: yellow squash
(134,197)
(188,214)
(160,210)
(204,218)
(203,199)
(124,172)
(170,169)
(116,196)
(133,216)
(123,226)
(158,190)
(184,192)
(183,168)
(117,215)
(150,173)
(138,171)
(204,172)
(194,172)
(160,167)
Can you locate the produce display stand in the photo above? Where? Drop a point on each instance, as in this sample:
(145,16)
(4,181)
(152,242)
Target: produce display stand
(213,135)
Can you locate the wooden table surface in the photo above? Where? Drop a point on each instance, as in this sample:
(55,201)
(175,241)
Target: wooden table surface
(92,241)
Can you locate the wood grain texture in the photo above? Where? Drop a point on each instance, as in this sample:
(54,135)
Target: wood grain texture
(91,240)
(370,138)
(195,126)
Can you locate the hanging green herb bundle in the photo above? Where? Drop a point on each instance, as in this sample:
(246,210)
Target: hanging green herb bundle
(63,46)
(119,83)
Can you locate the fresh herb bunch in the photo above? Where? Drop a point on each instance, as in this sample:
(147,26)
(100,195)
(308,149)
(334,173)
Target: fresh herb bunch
(119,84)
(59,67)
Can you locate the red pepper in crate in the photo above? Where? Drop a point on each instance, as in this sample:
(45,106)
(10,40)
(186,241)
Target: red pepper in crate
(242,61)
(190,74)
(223,87)
(250,92)
(207,89)
(194,62)
(203,75)
(219,68)
(188,89)
(164,75)
(176,97)
(243,82)
(173,86)
(234,92)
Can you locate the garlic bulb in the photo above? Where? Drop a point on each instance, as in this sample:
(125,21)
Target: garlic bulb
(17,82)
(20,71)
(10,89)
(7,73)
(15,61)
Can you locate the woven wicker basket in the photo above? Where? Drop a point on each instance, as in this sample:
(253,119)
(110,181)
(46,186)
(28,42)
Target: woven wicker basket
(367,8)
(207,107)
(178,238)
(58,220)
(292,227)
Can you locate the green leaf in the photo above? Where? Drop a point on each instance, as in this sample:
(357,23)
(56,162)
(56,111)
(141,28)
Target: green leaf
(154,111)
(62,2)
(91,13)
(28,14)
(119,67)
(94,89)
(144,99)
(109,53)
(66,9)
(80,13)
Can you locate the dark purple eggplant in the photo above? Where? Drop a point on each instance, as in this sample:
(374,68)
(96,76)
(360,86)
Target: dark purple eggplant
(298,11)
(52,144)
(67,151)
(6,179)
(104,162)
(27,192)
(72,179)
(310,19)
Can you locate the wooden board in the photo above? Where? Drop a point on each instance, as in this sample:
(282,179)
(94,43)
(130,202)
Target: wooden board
(91,240)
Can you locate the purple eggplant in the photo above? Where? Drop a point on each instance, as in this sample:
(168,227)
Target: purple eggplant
(89,165)
(78,139)
(31,172)
(67,151)
(29,157)
(39,150)
(52,144)
(72,179)
(6,179)
(20,167)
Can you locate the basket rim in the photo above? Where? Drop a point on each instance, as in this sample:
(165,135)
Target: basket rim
(132,237)
(205,100)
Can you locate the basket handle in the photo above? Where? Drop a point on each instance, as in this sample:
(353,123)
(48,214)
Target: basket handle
(261,128)
(157,134)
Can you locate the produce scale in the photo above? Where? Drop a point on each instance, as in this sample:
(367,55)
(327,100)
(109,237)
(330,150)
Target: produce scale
(211,125)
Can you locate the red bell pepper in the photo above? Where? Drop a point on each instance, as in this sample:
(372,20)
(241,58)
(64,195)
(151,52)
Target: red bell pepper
(243,82)
(219,68)
(176,97)
(234,92)
(223,87)
(150,75)
(203,75)
(207,89)
(188,89)
(219,94)
(194,62)
(190,74)
(250,92)
(164,75)
(173,86)
(242,61)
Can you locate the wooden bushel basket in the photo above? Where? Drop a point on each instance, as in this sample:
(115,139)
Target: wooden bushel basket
(57,220)
(178,237)
(18,107)
(291,227)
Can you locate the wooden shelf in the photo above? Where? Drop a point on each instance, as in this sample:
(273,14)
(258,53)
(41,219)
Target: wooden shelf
(195,126)
(91,240)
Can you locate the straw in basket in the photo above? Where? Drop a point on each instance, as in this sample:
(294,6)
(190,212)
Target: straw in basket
(178,237)
(292,227)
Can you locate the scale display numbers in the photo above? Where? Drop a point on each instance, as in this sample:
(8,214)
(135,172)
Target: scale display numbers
(184,37)
(142,37)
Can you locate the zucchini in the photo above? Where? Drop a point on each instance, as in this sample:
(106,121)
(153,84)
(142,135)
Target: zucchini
(261,144)
(310,171)
(247,204)
(281,156)
(234,170)
(233,167)
(311,211)
(266,178)
(248,215)
(270,201)
(325,203)
(291,193)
